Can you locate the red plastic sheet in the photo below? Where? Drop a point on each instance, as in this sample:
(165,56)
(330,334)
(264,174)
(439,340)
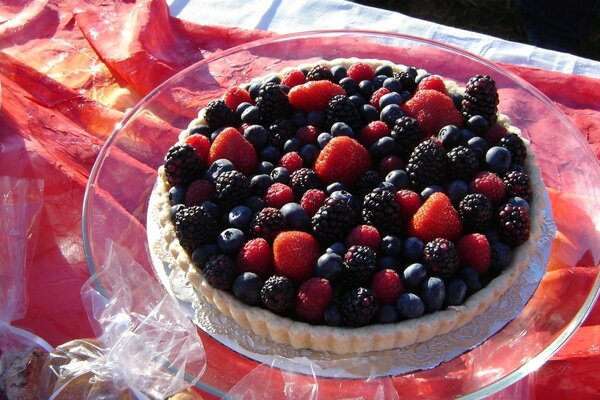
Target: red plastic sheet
(70,70)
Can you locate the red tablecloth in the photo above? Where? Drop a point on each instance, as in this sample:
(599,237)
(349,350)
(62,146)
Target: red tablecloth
(69,71)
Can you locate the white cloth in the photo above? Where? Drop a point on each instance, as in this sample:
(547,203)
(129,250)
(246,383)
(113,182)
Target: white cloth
(287,16)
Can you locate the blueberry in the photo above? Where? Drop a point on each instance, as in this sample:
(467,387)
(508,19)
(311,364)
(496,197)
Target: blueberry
(298,118)
(405,95)
(347,197)
(390,114)
(309,153)
(431,189)
(269,153)
(391,246)
(387,263)
(247,286)
(260,183)
(456,190)
(271,79)
(357,99)
(255,203)
(414,275)
(383,147)
(384,70)
(378,81)
(390,98)
(519,201)
(341,129)
(339,72)
(315,118)
(479,146)
(203,253)
(212,209)
(280,175)
(466,135)
(450,136)
(421,76)
(323,139)
(329,266)
(203,130)
(240,217)
(219,166)
(177,195)
(478,124)
(393,85)
(295,217)
(216,133)
(335,187)
(387,314)
(265,167)
(367,88)
(457,99)
(433,293)
(254,89)
(412,249)
(250,115)
(241,107)
(230,240)
(369,113)
(333,316)
(398,178)
(498,159)
(501,255)
(471,278)
(175,209)
(387,186)
(348,84)
(409,306)
(456,292)
(293,144)
(337,248)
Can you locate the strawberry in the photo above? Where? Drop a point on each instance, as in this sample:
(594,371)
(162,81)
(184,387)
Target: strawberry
(376,96)
(278,195)
(343,160)
(293,78)
(312,200)
(312,299)
(198,192)
(387,286)
(474,251)
(374,131)
(314,95)
(295,254)
(200,143)
(234,96)
(364,235)
(291,161)
(255,256)
(230,144)
(361,71)
(432,82)
(433,110)
(490,185)
(389,164)
(409,203)
(308,134)
(436,218)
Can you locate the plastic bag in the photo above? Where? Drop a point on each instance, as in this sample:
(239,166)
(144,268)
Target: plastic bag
(147,347)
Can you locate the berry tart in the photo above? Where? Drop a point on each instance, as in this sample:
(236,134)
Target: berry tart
(351,205)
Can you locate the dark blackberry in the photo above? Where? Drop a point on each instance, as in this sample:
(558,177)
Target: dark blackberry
(381,211)
(333,220)
(476,212)
(267,223)
(360,264)
(407,135)
(319,73)
(407,78)
(513,224)
(481,98)
(515,145)
(358,307)
(341,109)
(183,165)
(278,294)
(194,226)
(231,187)
(220,272)
(462,163)
(367,182)
(303,180)
(517,184)
(280,131)
(218,115)
(427,164)
(273,103)
(440,258)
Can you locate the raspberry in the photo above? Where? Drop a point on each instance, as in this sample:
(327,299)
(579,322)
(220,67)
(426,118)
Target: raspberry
(234,96)
(278,294)
(194,226)
(409,203)
(364,235)
(440,258)
(387,286)
(198,192)
(278,195)
(314,95)
(182,165)
(341,109)
(308,134)
(312,299)
(312,200)
(436,218)
(220,272)
(201,143)
(359,306)
(360,264)
(432,82)
(267,223)
(343,160)
(293,78)
(295,254)
(389,164)
(373,132)
(230,144)
(513,224)
(381,210)
(376,96)
(490,185)
(474,251)
(256,256)
(217,115)
(433,110)
(319,73)
(361,72)
(291,161)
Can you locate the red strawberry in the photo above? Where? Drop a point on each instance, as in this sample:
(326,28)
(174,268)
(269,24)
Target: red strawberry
(234,96)
(389,164)
(256,256)
(343,160)
(278,195)
(474,251)
(314,95)
(489,184)
(494,134)
(312,200)
(361,71)
(312,299)
(377,95)
(295,254)
(436,218)
(308,134)
(293,78)
(364,235)
(387,286)
(201,143)
(374,131)
(198,192)
(432,82)
(230,144)
(409,203)
(433,110)
(291,161)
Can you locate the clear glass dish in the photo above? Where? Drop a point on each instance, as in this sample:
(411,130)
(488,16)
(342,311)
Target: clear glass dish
(116,201)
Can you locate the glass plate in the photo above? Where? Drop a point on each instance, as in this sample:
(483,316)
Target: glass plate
(116,201)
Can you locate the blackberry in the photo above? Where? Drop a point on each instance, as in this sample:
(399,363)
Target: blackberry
(481,98)
(515,145)
(341,109)
(427,164)
(303,180)
(516,183)
(513,224)
(319,73)
(220,272)
(273,103)
(231,188)
(280,131)
(367,182)
(267,223)
(476,212)
(360,264)
(407,135)
(194,226)
(333,220)
(407,78)
(278,294)
(183,165)
(358,307)
(381,211)
(218,115)
(440,258)
(462,163)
